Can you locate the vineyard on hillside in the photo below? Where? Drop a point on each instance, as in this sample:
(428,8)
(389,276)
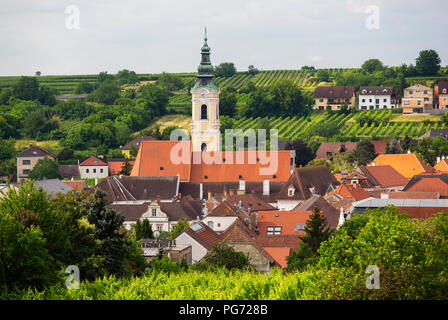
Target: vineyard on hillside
(292,128)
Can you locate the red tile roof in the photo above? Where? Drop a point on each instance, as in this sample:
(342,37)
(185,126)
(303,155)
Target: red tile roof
(77,185)
(408,165)
(355,192)
(279,255)
(223,210)
(93,161)
(288,220)
(385,176)
(414,195)
(205,236)
(422,213)
(442,166)
(154,159)
(115,167)
(429,183)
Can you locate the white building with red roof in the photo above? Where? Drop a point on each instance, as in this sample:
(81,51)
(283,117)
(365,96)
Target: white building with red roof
(93,168)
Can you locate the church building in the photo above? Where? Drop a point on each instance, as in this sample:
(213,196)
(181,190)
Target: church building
(154,157)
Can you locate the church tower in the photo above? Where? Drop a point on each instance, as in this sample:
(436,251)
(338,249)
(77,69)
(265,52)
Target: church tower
(205,134)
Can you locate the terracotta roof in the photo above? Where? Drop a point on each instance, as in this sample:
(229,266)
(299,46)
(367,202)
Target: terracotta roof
(442,165)
(126,188)
(414,195)
(36,151)
(345,204)
(355,192)
(154,159)
(238,231)
(384,176)
(203,234)
(116,166)
(279,255)
(223,210)
(324,206)
(422,213)
(304,179)
(93,161)
(334,92)
(77,185)
(429,183)
(288,220)
(136,142)
(408,165)
(69,171)
(233,170)
(380,146)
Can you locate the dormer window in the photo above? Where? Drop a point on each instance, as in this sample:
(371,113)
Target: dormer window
(444,91)
(364,91)
(34,152)
(154,212)
(291,191)
(95,161)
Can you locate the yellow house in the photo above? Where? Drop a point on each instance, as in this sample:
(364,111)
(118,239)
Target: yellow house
(417,99)
(332,98)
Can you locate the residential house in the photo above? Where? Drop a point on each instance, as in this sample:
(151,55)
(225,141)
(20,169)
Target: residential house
(442,164)
(116,165)
(78,185)
(243,239)
(28,158)
(303,184)
(201,239)
(371,98)
(135,143)
(221,217)
(408,165)
(429,183)
(441,93)
(417,99)
(332,98)
(93,168)
(382,177)
(162,216)
(353,191)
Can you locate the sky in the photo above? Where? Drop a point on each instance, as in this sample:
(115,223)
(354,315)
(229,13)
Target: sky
(59,37)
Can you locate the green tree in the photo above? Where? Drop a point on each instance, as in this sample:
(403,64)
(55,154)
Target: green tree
(372,65)
(7,149)
(127,77)
(126,169)
(227,103)
(225,69)
(108,224)
(170,82)
(223,255)
(316,230)
(300,259)
(155,98)
(84,86)
(392,147)
(106,93)
(27,88)
(252,70)
(323,75)
(45,168)
(146,230)
(364,153)
(180,226)
(428,63)
(303,153)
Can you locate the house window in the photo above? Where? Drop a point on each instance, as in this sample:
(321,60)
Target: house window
(154,212)
(274,231)
(101,170)
(384,100)
(377,101)
(94,170)
(26,171)
(204,112)
(291,192)
(87,170)
(406,103)
(159,227)
(322,100)
(444,90)
(419,102)
(363,100)
(26,162)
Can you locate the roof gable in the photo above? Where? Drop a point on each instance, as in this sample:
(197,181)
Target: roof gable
(36,151)
(93,161)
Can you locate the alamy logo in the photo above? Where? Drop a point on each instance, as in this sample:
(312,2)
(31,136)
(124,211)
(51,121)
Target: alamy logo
(73,20)
(373,281)
(72,281)
(373,18)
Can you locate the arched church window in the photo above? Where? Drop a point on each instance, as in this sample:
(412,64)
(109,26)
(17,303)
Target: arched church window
(204,147)
(204,112)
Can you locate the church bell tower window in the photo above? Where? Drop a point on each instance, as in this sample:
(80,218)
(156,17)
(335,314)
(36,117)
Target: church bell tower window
(204,112)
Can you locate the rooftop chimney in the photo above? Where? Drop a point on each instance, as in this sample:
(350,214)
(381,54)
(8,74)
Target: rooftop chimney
(209,195)
(200,190)
(158,199)
(341,217)
(266,186)
(242,186)
(225,193)
(231,192)
(409,151)
(438,159)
